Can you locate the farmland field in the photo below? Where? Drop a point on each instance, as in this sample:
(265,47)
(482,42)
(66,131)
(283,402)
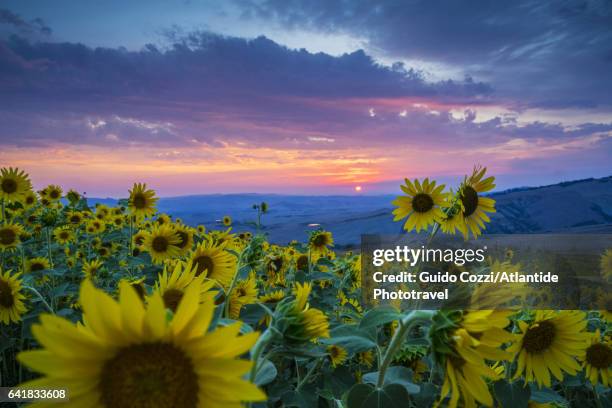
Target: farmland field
(122,305)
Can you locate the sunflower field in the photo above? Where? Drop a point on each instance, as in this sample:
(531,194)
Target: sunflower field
(126,307)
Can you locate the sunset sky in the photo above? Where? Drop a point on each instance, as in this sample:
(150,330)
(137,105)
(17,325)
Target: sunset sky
(303,97)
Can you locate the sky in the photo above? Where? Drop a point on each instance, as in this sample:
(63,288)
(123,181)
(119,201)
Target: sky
(303,97)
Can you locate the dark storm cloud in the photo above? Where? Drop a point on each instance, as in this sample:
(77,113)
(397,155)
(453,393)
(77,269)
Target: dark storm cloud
(199,83)
(549,54)
(11,22)
(204,64)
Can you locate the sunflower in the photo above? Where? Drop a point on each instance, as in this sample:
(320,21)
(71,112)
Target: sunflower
(319,241)
(141,203)
(550,344)
(366,358)
(161,243)
(275,264)
(138,238)
(214,262)
(172,287)
(465,373)
(14,184)
(598,360)
(186,235)
(272,297)
(304,323)
(73,196)
(138,284)
(95,226)
(422,204)
(53,192)
(487,327)
(227,220)
(126,355)
(337,355)
(29,200)
(301,262)
(606,264)
(454,221)
(11,298)
(63,235)
(118,221)
(474,206)
(163,219)
(91,269)
(75,218)
(201,229)
(9,236)
(37,264)
(245,293)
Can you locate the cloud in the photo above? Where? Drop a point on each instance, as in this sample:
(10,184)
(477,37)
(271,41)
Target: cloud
(546,54)
(250,109)
(11,22)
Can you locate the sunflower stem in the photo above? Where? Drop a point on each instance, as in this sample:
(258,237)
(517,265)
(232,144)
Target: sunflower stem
(226,304)
(131,233)
(42,299)
(304,380)
(49,247)
(263,341)
(397,340)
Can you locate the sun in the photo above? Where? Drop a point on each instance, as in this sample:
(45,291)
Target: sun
(358,189)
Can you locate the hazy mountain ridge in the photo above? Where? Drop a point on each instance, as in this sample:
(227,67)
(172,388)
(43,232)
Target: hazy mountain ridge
(574,206)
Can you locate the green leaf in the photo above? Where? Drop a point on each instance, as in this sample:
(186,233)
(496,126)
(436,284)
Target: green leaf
(379,316)
(338,381)
(512,395)
(545,395)
(427,396)
(395,375)
(351,338)
(367,396)
(358,394)
(325,262)
(266,373)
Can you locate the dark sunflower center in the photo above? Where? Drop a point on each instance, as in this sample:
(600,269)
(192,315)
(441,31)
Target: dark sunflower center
(540,337)
(9,186)
(54,194)
(599,356)
(155,375)
(469,198)
(75,219)
(335,352)
(204,263)
(277,263)
(184,239)
(37,266)
(160,244)
(241,292)
(172,298)
(29,200)
(139,240)
(320,240)
(7,236)
(6,295)
(139,201)
(422,203)
(63,235)
(302,262)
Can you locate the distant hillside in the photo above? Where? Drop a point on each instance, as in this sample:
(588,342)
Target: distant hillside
(575,206)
